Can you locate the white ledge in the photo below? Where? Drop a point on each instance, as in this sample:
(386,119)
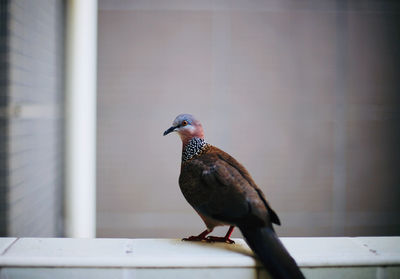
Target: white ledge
(310,254)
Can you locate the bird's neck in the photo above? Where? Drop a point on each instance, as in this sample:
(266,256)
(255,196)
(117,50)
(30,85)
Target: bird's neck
(193,147)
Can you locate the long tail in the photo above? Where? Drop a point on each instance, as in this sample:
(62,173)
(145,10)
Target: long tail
(271,252)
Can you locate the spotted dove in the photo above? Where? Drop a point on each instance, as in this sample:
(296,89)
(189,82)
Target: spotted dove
(222,192)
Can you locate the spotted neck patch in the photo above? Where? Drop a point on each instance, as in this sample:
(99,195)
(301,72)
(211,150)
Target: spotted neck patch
(194,147)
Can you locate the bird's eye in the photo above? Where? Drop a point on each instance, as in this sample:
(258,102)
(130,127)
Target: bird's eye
(184,123)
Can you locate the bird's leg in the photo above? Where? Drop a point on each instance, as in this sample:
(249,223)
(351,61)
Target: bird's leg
(226,238)
(199,237)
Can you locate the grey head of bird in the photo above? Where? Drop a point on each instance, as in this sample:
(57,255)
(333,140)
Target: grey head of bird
(187,127)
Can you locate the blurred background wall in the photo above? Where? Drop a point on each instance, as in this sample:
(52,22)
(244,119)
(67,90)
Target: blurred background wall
(31,117)
(304,93)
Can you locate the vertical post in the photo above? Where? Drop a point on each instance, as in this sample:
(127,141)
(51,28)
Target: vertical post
(340,136)
(80,173)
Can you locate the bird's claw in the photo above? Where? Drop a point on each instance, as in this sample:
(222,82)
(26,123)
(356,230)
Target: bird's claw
(193,238)
(220,239)
(209,239)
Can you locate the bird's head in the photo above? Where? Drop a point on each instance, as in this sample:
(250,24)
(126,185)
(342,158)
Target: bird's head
(187,127)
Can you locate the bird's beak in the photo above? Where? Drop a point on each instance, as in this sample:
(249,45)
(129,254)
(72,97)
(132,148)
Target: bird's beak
(170,130)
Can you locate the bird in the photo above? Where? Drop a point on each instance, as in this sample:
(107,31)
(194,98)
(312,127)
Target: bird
(223,193)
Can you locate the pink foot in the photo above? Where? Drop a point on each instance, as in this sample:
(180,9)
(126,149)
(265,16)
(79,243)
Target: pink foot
(199,237)
(220,239)
(194,238)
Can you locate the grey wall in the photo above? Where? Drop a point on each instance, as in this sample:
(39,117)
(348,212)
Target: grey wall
(303,93)
(32,112)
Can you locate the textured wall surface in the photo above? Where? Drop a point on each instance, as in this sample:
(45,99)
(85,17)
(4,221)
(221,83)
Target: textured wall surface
(33,113)
(304,94)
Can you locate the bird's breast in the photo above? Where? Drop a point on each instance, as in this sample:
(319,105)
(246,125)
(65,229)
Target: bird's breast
(190,185)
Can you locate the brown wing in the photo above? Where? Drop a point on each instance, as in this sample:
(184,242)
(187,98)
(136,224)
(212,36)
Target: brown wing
(222,189)
(232,161)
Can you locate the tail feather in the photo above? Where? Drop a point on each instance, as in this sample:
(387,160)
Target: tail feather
(271,252)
